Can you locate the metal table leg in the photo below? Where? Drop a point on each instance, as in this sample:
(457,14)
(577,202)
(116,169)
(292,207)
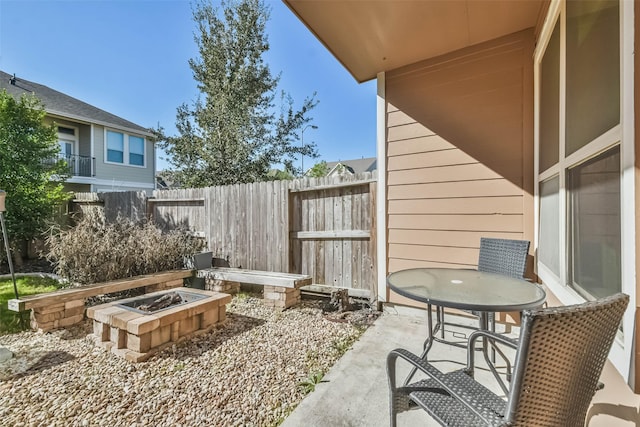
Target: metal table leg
(484,324)
(428,342)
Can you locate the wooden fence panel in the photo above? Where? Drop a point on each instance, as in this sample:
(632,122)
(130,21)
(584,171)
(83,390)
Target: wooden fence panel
(171,209)
(331,227)
(316,226)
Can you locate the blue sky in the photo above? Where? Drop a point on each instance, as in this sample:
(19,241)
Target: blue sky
(129,57)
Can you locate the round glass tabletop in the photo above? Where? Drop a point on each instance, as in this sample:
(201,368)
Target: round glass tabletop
(466,289)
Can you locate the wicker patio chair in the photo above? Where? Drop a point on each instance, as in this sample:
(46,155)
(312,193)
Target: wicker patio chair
(503,256)
(500,256)
(560,355)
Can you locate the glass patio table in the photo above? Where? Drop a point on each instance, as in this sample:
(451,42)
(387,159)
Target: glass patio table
(470,290)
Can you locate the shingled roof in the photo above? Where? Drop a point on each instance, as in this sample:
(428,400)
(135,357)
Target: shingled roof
(355,166)
(59,104)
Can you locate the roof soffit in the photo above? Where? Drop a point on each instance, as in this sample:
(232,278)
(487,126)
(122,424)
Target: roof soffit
(371,36)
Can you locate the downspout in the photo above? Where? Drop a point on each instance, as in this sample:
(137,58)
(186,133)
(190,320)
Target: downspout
(381,197)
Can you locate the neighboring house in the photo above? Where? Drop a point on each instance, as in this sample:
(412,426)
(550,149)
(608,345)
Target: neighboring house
(165,180)
(515,119)
(104,152)
(351,167)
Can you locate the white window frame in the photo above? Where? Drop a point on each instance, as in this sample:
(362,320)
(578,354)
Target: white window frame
(144,150)
(622,134)
(69,138)
(126,152)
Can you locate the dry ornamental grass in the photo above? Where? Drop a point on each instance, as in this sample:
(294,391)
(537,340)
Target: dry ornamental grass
(96,251)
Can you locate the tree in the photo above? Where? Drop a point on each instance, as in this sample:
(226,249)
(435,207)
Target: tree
(318,170)
(28,153)
(233,133)
(279,175)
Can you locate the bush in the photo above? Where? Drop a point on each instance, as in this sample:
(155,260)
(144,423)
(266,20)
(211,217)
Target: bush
(94,251)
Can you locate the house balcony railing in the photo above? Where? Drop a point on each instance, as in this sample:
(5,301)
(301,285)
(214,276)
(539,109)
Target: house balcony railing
(77,165)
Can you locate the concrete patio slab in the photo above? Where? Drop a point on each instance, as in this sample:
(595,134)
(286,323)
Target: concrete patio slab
(355,391)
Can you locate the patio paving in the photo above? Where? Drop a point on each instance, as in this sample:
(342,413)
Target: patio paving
(355,391)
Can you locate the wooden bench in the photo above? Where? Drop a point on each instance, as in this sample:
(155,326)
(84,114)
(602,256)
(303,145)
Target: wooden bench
(281,290)
(66,307)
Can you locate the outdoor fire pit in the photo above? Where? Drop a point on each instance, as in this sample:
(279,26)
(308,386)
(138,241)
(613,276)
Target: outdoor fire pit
(165,301)
(135,328)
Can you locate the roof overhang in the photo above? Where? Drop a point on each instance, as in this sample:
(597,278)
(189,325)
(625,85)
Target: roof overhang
(372,36)
(79,119)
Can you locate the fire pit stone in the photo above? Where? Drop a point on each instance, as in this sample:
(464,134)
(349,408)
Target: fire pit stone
(136,335)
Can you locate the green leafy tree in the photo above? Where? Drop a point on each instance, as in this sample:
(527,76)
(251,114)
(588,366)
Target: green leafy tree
(318,170)
(28,152)
(234,132)
(279,175)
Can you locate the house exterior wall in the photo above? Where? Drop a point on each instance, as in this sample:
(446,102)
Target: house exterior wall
(636,103)
(459,154)
(114,177)
(108,177)
(84,134)
(84,148)
(98,148)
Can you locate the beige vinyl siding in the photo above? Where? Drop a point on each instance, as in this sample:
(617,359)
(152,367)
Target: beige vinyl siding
(636,119)
(459,154)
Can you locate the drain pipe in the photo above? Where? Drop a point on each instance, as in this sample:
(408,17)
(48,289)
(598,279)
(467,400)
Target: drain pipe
(3,195)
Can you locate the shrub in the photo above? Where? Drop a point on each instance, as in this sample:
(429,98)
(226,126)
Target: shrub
(96,251)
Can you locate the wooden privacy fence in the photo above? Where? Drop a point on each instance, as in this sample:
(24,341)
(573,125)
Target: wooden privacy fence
(331,234)
(323,227)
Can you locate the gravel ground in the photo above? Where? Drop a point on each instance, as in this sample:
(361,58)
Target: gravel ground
(246,372)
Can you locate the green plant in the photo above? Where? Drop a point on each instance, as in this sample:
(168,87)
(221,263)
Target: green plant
(96,251)
(309,384)
(284,416)
(10,321)
(30,171)
(242,296)
(318,170)
(241,124)
(342,345)
(279,175)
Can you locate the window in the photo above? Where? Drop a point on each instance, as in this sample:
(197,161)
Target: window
(586,222)
(584,142)
(548,242)
(579,137)
(550,102)
(584,149)
(66,130)
(66,148)
(115,147)
(125,149)
(68,143)
(136,150)
(594,233)
(593,71)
